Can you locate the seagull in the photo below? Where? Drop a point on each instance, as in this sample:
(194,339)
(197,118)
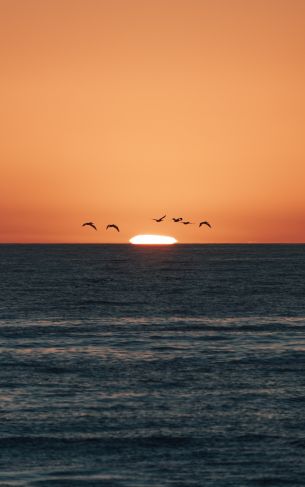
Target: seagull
(113,226)
(90,224)
(158,220)
(205,223)
(177,219)
(187,223)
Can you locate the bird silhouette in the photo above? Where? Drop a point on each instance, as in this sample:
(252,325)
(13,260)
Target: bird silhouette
(187,223)
(89,224)
(113,226)
(158,220)
(205,223)
(177,219)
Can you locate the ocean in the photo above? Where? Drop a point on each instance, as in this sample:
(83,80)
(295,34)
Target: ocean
(161,366)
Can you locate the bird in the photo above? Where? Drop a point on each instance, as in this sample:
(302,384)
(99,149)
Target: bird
(113,226)
(177,219)
(205,223)
(187,223)
(89,224)
(158,220)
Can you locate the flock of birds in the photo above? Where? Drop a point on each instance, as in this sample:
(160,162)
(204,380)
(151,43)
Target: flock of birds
(158,220)
(180,220)
(91,224)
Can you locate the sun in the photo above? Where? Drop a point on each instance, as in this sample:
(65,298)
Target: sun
(152,240)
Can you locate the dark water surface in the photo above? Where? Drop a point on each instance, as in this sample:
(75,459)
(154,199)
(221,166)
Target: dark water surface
(152,366)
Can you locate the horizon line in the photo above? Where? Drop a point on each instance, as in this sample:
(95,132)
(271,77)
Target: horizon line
(128,243)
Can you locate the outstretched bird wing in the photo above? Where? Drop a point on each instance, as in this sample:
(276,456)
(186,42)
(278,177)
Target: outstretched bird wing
(113,226)
(159,219)
(89,224)
(205,223)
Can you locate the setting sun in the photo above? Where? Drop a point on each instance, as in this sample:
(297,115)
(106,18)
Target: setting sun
(152,240)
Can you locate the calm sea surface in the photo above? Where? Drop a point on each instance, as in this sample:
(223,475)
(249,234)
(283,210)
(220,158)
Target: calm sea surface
(152,366)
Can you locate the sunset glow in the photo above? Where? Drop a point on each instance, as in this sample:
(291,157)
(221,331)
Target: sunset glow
(152,240)
(124,111)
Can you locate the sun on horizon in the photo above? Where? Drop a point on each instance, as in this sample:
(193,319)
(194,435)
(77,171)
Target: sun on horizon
(152,240)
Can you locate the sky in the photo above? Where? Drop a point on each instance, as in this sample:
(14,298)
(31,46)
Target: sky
(122,111)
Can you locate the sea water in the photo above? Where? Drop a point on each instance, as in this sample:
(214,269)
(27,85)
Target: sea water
(158,366)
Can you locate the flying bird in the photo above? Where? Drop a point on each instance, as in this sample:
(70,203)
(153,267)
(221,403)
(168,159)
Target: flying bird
(177,219)
(89,224)
(113,226)
(205,223)
(187,223)
(158,220)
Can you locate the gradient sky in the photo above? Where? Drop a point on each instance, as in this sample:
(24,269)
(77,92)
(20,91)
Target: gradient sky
(120,111)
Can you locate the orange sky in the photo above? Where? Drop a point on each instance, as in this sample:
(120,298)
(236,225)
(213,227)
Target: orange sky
(120,111)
